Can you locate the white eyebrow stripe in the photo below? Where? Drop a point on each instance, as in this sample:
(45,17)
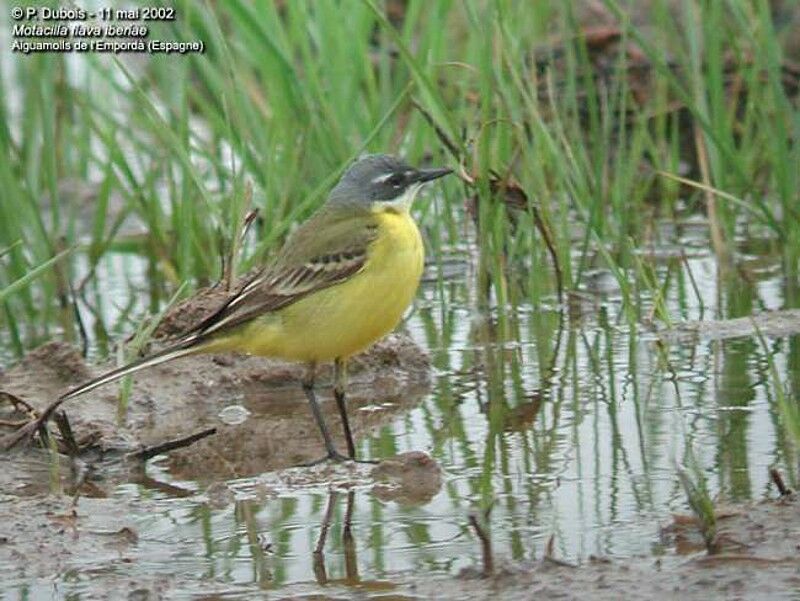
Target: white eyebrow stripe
(382,178)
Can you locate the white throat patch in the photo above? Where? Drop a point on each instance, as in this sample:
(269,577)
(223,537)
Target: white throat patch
(402,202)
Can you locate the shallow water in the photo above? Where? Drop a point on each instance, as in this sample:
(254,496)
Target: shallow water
(581,447)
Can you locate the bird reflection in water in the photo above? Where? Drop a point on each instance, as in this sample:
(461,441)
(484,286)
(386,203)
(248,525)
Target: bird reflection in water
(348,542)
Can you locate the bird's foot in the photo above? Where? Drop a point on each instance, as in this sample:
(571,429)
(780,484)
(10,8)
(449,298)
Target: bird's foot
(333,456)
(336,457)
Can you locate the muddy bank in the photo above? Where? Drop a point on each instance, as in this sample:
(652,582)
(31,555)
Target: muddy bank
(113,545)
(133,534)
(102,547)
(68,527)
(256,404)
(759,558)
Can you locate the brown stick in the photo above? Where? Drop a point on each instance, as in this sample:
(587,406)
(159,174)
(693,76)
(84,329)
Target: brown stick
(150,452)
(718,242)
(551,249)
(17,402)
(66,434)
(777,479)
(486,545)
(451,146)
(9,441)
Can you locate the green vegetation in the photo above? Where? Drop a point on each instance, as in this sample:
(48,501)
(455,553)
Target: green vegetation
(288,93)
(583,154)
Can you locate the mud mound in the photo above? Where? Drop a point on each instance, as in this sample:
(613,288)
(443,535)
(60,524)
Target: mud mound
(256,404)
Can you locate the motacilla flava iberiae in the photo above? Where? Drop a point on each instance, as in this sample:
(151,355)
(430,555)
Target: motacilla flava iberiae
(342,281)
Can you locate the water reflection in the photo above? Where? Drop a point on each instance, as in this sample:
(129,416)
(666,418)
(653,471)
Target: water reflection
(348,544)
(567,429)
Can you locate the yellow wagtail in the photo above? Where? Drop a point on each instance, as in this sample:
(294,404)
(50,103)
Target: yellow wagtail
(342,281)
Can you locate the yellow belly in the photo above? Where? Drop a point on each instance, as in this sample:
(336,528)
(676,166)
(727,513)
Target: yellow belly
(347,318)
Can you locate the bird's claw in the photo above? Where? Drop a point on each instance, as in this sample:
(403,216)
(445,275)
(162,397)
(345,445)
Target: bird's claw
(336,457)
(332,456)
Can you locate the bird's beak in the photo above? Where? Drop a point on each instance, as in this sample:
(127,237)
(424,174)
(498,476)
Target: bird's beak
(427,175)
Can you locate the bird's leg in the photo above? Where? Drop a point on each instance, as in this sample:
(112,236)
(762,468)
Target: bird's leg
(349,542)
(339,388)
(308,387)
(318,556)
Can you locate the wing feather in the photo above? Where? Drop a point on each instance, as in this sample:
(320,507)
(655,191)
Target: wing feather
(314,258)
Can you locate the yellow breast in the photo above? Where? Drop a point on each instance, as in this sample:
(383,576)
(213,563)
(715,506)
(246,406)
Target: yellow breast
(347,318)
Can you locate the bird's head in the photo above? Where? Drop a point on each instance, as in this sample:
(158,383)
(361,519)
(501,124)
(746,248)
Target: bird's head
(379,182)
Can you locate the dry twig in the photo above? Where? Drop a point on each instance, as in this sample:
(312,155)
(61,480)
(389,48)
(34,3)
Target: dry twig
(777,479)
(151,451)
(486,545)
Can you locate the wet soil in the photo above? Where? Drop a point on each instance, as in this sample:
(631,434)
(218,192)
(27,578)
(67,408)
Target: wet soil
(41,537)
(62,515)
(256,404)
(758,558)
(67,520)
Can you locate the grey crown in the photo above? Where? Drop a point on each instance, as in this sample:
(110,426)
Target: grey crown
(379,177)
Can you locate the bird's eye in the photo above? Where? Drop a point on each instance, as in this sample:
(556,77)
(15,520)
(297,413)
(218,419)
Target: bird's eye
(396,180)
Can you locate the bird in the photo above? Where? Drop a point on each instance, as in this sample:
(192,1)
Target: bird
(342,281)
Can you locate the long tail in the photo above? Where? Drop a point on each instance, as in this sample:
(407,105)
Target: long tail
(180,349)
(188,346)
